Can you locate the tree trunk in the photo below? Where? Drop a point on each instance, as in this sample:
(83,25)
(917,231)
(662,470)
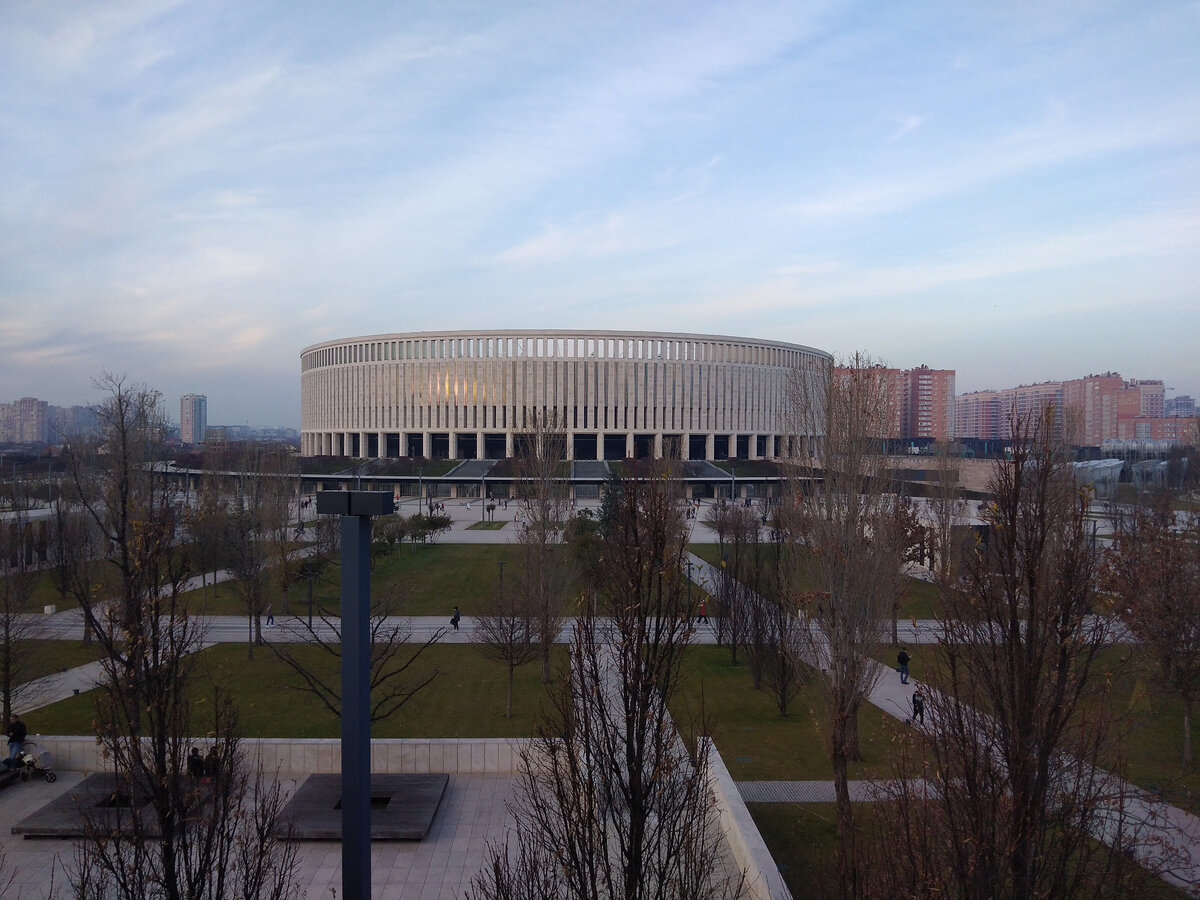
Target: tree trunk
(852,747)
(1187,728)
(844,860)
(508,708)
(545,666)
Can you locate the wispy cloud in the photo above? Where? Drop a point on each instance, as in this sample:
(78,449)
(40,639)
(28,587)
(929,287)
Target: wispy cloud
(908,123)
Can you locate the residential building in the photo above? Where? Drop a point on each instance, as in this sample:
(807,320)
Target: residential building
(1183,405)
(193,418)
(928,404)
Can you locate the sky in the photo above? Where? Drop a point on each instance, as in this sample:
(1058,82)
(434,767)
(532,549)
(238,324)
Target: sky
(192,192)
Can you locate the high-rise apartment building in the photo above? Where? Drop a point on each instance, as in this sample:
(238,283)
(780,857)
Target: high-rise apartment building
(920,401)
(32,421)
(1183,405)
(986,415)
(193,418)
(978,415)
(928,404)
(1088,410)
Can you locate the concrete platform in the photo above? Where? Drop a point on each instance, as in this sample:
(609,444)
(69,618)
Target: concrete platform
(402,808)
(88,804)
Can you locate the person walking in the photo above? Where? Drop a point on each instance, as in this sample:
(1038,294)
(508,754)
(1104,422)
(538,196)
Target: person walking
(918,705)
(903,659)
(270,616)
(703,616)
(454,619)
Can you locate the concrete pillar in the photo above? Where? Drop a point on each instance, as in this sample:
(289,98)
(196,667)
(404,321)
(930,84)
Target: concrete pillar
(710,449)
(479,445)
(599,446)
(628,444)
(752,446)
(452,448)
(426,448)
(658,444)
(381,444)
(508,444)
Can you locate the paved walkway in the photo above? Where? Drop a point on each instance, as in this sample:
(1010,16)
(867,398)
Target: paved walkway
(804,791)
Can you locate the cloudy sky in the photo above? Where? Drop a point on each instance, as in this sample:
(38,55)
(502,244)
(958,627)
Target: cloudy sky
(190,193)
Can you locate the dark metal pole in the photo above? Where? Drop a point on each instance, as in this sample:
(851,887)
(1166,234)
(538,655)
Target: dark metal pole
(356,699)
(355,509)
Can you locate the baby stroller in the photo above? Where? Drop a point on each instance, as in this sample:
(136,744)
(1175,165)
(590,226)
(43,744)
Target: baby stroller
(34,763)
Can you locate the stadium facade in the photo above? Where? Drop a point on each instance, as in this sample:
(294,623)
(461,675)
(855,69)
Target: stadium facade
(472,394)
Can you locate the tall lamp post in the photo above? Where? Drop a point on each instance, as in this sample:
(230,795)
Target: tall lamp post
(355,509)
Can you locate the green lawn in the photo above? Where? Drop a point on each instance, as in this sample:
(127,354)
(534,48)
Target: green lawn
(465,700)
(1151,755)
(758,744)
(802,838)
(918,599)
(1150,751)
(45,657)
(426,580)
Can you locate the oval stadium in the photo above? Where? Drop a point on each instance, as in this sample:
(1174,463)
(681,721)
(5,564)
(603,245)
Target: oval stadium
(471,395)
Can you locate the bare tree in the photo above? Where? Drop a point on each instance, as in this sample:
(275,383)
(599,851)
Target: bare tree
(844,518)
(187,845)
(738,531)
(1153,569)
(781,637)
(252,513)
(611,804)
(396,674)
(208,527)
(506,630)
(282,473)
(543,486)
(1011,799)
(78,569)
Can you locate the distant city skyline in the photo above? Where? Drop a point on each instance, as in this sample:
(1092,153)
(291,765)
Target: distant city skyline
(193,193)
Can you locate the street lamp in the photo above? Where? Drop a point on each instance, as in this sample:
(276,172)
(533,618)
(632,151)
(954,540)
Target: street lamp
(355,510)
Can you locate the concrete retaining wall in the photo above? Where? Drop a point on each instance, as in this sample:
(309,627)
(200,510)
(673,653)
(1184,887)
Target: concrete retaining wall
(750,853)
(480,756)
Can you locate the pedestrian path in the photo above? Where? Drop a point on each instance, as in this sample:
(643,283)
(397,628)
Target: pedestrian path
(1162,837)
(806,791)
